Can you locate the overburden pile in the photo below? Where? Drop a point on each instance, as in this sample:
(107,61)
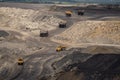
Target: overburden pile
(97,67)
(99,32)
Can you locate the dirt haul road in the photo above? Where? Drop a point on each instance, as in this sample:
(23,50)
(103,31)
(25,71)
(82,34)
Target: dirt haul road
(23,21)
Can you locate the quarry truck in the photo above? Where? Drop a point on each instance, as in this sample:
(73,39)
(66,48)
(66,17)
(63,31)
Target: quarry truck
(81,12)
(68,13)
(20,61)
(44,33)
(60,48)
(62,24)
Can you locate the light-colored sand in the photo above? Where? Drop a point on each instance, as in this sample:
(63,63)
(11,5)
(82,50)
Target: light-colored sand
(22,24)
(98,32)
(27,19)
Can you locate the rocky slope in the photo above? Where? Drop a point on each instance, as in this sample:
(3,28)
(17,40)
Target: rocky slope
(99,32)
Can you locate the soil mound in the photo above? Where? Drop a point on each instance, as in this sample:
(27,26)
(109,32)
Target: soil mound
(99,32)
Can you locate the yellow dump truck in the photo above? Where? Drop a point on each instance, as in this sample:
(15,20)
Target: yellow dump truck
(60,48)
(20,61)
(68,13)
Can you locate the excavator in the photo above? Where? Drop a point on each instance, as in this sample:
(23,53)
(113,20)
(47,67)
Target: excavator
(20,61)
(68,13)
(60,48)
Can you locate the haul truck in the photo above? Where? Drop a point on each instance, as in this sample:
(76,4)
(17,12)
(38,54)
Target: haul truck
(81,12)
(60,48)
(68,13)
(62,24)
(20,61)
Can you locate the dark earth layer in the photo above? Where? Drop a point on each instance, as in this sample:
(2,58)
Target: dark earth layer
(97,67)
(3,33)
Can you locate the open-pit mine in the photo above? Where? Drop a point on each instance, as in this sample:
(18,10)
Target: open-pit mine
(59,42)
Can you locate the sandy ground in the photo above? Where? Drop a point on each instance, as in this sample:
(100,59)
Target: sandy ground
(23,19)
(21,23)
(98,32)
(20,29)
